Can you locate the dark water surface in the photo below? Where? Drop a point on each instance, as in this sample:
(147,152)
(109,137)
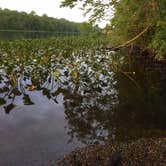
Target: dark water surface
(50,105)
(33,135)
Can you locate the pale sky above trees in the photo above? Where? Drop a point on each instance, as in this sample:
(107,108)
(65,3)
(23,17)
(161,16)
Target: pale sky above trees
(49,7)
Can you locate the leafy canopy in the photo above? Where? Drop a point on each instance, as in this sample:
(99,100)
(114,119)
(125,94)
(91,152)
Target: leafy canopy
(130,18)
(99,9)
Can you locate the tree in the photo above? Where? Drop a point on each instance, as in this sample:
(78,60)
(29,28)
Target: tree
(14,20)
(141,23)
(99,9)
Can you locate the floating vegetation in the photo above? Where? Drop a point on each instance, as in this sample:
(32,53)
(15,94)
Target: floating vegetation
(46,65)
(97,85)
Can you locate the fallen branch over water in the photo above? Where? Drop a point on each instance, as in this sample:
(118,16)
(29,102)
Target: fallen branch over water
(129,42)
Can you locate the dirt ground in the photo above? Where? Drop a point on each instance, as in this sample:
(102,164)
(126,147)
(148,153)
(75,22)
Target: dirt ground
(142,152)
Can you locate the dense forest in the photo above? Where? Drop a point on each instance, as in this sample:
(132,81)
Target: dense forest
(22,21)
(139,24)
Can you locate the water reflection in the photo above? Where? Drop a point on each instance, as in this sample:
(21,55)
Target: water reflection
(99,104)
(140,112)
(34,134)
(18,34)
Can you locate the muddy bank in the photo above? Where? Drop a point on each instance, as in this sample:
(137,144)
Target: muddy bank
(143,152)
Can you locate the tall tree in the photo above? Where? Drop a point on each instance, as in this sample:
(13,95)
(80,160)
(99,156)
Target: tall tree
(134,22)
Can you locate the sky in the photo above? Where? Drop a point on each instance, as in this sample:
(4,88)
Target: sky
(49,7)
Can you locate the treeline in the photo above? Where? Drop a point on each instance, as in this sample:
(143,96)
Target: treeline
(14,20)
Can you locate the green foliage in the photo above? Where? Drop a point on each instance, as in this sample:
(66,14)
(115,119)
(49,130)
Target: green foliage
(48,64)
(21,21)
(40,54)
(158,42)
(130,18)
(14,20)
(98,9)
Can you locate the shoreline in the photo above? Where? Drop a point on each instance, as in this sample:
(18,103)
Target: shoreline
(141,152)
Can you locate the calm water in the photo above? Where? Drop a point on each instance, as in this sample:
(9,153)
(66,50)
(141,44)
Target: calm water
(16,34)
(33,135)
(42,119)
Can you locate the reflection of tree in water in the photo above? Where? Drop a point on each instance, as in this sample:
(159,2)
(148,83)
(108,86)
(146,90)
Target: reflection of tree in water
(27,66)
(15,81)
(128,113)
(98,104)
(140,111)
(88,114)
